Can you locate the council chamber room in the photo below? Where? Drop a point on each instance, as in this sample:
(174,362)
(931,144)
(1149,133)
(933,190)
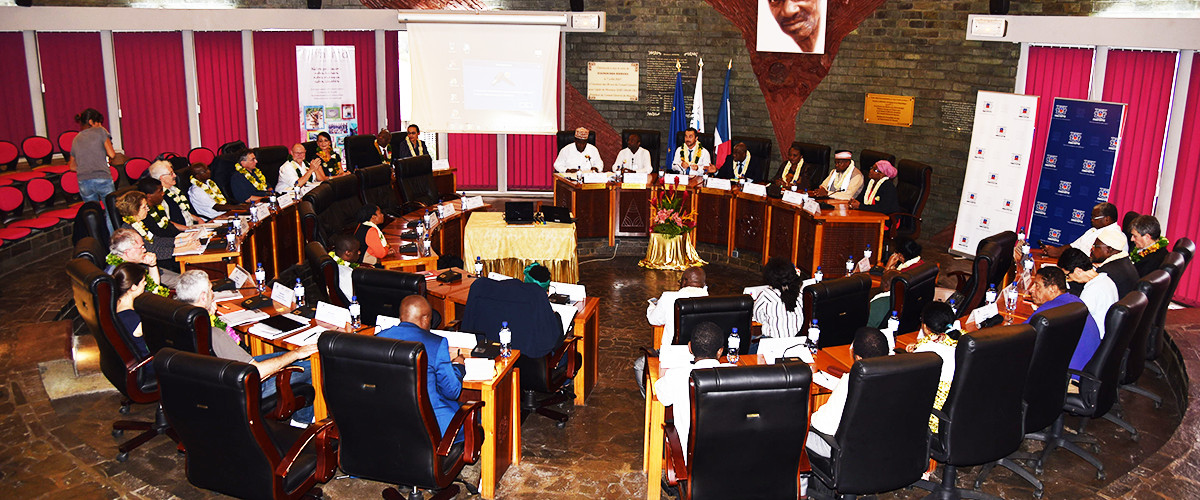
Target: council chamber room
(599,249)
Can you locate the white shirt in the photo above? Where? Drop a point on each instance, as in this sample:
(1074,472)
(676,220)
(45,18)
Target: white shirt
(569,157)
(672,389)
(345,281)
(682,151)
(663,313)
(1084,241)
(1098,295)
(636,162)
(202,202)
(289,174)
(772,313)
(828,417)
(835,182)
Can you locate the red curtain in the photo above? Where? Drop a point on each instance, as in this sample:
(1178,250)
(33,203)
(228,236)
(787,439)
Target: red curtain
(529,162)
(275,82)
(220,87)
(1183,219)
(474,155)
(73,79)
(391,60)
(364,74)
(1142,79)
(16,123)
(1052,72)
(150,84)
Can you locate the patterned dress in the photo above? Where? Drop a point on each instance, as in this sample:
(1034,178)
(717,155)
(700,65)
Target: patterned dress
(945,348)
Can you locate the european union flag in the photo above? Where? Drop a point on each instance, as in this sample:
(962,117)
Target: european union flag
(678,117)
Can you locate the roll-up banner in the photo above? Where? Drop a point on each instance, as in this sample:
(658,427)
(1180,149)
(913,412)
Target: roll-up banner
(1001,141)
(1081,149)
(326,87)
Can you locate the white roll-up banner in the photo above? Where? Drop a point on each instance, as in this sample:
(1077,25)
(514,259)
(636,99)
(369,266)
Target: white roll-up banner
(326,87)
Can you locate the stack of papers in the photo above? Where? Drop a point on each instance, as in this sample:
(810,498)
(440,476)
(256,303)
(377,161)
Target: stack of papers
(244,316)
(226,295)
(270,333)
(307,336)
(825,380)
(461,340)
(480,369)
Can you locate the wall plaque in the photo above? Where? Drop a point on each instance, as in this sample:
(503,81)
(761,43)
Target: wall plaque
(659,76)
(884,109)
(612,81)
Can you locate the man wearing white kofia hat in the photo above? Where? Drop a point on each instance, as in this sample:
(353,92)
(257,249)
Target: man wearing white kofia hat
(844,181)
(579,156)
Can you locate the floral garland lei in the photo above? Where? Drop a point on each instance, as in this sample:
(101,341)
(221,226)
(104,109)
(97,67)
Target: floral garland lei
(342,262)
(257,178)
(140,227)
(159,215)
(151,286)
(180,199)
(211,190)
(745,166)
(1140,254)
(696,157)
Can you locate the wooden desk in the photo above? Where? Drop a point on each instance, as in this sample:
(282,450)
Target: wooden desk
(835,358)
(274,241)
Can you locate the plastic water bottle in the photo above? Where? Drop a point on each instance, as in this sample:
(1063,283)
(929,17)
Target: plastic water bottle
(1021,234)
(355,313)
(814,336)
(478,266)
(867,253)
(818,276)
(735,341)
(953,306)
(849,265)
(505,340)
(253,213)
(274,200)
(260,275)
(298,290)
(230,241)
(893,323)
(990,295)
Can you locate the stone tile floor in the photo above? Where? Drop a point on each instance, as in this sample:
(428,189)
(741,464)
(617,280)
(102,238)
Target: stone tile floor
(63,449)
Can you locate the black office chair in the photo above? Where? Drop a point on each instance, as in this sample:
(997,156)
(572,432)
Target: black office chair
(213,404)
(868,157)
(1099,382)
(97,304)
(415,177)
(310,149)
(727,311)
(1154,286)
(564,137)
(914,180)
(1174,264)
(840,307)
(1186,247)
(378,396)
(911,290)
(89,221)
(704,138)
(360,152)
(110,205)
(222,166)
(549,358)
(380,292)
(325,273)
(90,249)
(882,441)
(336,201)
(651,142)
(744,426)
(816,157)
(983,418)
(171,323)
(1003,262)
(376,187)
(270,158)
(973,286)
(760,156)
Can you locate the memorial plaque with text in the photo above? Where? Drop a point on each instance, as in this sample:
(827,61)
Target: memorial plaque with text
(659,77)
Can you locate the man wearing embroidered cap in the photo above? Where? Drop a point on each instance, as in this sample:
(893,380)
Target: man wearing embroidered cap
(845,182)
(1109,255)
(579,156)
(880,194)
(1104,216)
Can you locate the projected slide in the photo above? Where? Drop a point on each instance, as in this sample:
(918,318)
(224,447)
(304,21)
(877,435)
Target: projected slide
(502,86)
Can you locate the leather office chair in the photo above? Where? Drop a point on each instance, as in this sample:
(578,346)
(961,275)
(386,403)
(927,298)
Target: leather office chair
(1098,382)
(760,156)
(90,249)
(325,273)
(96,301)
(913,182)
(89,221)
(380,291)
(840,307)
(1186,247)
(549,358)
(911,290)
(1174,264)
(415,177)
(213,404)
(110,205)
(651,142)
(1002,264)
(705,139)
(310,226)
(222,166)
(375,183)
(360,152)
(974,285)
(335,202)
(868,157)
(1154,286)
(564,137)
(817,157)
(882,441)
(310,150)
(754,407)
(378,396)
(983,418)
(727,311)
(171,323)
(270,158)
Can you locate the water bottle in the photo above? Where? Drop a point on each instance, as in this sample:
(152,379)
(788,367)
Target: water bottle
(274,200)
(253,213)
(849,265)
(893,323)
(818,276)
(260,275)
(1021,234)
(990,295)
(953,306)
(230,241)
(867,253)
(478,266)
(355,313)
(814,335)
(298,290)
(731,352)
(505,340)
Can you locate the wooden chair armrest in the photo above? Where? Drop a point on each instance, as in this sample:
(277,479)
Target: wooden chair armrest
(283,393)
(310,432)
(676,467)
(462,420)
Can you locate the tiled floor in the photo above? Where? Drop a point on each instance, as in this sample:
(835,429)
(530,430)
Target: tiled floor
(63,449)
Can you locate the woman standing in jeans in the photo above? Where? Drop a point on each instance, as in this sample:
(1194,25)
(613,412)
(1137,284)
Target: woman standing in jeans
(90,153)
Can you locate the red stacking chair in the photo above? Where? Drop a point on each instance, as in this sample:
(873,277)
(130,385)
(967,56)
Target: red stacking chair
(68,183)
(64,213)
(38,150)
(13,233)
(201,155)
(8,155)
(39,223)
(41,194)
(64,143)
(135,167)
(12,204)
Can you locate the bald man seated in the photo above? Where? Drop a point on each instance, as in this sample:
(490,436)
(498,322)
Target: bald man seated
(445,375)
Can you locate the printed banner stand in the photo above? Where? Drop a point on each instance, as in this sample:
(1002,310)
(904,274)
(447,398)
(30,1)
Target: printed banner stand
(1081,149)
(1001,141)
(326,87)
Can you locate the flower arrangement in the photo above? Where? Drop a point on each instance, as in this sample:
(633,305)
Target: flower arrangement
(669,211)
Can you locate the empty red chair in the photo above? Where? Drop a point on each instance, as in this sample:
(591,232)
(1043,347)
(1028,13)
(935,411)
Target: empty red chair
(14,233)
(8,155)
(201,155)
(64,213)
(38,150)
(135,167)
(12,204)
(39,223)
(40,193)
(69,185)
(64,143)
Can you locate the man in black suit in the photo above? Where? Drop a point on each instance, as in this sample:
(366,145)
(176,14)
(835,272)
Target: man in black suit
(411,145)
(1109,258)
(739,166)
(247,182)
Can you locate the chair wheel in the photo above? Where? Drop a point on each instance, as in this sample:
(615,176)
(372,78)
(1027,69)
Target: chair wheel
(1096,448)
(560,425)
(122,457)
(1157,405)
(1038,493)
(124,410)
(117,433)
(1038,470)
(1101,475)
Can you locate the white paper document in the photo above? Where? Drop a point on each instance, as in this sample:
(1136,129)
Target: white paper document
(445,210)
(244,316)
(675,178)
(825,380)
(632,178)
(795,197)
(497,276)
(461,340)
(441,164)
(575,292)
(384,322)
(774,348)
(226,295)
(308,336)
(715,183)
(595,178)
(333,315)
(479,369)
(238,276)
(983,313)
(566,313)
(755,189)
(472,202)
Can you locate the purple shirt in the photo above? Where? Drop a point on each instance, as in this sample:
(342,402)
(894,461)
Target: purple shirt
(1089,341)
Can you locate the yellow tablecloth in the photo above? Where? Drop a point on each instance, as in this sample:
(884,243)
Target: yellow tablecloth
(674,253)
(508,249)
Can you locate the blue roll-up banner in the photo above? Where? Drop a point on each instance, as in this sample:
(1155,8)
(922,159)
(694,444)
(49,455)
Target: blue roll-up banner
(1077,171)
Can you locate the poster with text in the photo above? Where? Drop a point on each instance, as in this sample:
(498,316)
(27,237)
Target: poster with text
(1001,141)
(1081,149)
(326,86)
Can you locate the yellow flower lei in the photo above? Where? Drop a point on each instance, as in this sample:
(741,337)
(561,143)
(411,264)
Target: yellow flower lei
(180,199)
(257,178)
(160,215)
(211,190)
(139,227)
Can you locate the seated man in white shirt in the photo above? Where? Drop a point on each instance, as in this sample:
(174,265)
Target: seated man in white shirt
(296,174)
(345,253)
(633,158)
(868,343)
(1104,215)
(578,156)
(204,195)
(1099,291)
(844,181)
(673,388)
(691,158)
(661,312)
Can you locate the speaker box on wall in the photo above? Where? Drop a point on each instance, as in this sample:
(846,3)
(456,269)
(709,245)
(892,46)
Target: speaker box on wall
(998,7)
(576,5)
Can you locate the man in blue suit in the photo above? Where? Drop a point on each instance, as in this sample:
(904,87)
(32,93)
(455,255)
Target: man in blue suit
(247,183)
(445,375)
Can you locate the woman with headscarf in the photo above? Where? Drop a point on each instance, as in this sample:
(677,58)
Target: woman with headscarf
(880,193)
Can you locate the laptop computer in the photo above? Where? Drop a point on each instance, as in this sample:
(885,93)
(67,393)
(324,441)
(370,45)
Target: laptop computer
(518,212)
(556,214)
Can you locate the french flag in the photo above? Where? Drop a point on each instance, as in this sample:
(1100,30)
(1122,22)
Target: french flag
(721,135)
